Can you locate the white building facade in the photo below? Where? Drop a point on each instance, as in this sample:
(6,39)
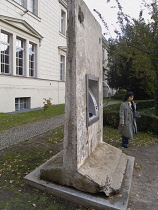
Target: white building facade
(33,53)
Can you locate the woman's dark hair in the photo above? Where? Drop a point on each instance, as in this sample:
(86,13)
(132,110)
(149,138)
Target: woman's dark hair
(129,94)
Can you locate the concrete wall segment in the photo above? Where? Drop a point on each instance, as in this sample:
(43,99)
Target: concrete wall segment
(89,61)
(70,135)
(84,56)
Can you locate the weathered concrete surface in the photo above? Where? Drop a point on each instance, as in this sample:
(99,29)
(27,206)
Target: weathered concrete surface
(103,171)
(97,201)
(106,167)
(84,56)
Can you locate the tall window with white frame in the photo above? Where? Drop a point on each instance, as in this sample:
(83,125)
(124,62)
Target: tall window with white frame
(31,60)
(63,22)
(5,53)
(32,6)
(19,57)
(62,67)
(21,2)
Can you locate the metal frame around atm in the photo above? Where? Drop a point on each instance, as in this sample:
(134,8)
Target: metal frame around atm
(95,80)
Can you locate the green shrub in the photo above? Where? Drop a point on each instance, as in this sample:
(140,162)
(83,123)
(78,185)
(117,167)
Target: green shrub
(145,104)
(122,91)
(118,96)
(111,115)
(147,123)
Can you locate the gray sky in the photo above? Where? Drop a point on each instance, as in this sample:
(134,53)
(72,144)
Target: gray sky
(131,7)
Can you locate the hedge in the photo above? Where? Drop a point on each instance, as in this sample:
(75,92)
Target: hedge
(147,122)
(145,104)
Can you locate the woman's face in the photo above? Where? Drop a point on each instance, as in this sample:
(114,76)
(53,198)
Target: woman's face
(130,98)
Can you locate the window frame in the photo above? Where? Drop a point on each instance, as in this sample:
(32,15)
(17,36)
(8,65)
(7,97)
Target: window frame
(9,54)
(33,6)
(34,60)
(26,6)
(22,101)
(22,49)
(31,36)
(63,22)
(18,2)
(62,67)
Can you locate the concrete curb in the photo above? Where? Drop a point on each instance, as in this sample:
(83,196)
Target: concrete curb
(117,202)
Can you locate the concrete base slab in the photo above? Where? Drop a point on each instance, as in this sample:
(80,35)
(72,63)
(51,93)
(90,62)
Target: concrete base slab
(102,171)
(98,201)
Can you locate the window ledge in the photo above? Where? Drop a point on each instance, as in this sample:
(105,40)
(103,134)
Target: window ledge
(35,78)
(34,16)
(63,35)
(25,10)
(63,2)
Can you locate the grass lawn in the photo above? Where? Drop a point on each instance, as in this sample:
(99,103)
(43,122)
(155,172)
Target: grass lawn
(105,100)
(111,136)
(19,160)
(11,120)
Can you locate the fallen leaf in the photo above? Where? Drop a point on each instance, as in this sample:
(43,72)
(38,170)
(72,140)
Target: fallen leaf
(136,165)
(18,173)
(34,205)
(111,197)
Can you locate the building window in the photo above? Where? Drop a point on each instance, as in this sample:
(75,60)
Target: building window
(22,103)
(63,22)
(19,57)
(62,67)
(5,53)
(31,60)
(32,6)
(21,2)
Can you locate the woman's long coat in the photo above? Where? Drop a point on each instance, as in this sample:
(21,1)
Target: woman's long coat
(128,120)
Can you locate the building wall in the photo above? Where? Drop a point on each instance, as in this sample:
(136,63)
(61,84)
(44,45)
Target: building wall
(47,81)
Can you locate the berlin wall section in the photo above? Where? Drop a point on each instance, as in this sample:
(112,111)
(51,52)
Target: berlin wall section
(84,58)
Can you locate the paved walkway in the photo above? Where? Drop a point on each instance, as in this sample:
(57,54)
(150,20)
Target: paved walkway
(111,103)
(21,133)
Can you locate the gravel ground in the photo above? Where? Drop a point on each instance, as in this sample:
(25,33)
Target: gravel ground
(21,133)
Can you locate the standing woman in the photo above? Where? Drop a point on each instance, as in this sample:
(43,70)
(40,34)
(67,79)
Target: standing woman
(127,124)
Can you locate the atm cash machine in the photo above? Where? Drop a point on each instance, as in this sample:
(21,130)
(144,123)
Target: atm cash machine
(92,99)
